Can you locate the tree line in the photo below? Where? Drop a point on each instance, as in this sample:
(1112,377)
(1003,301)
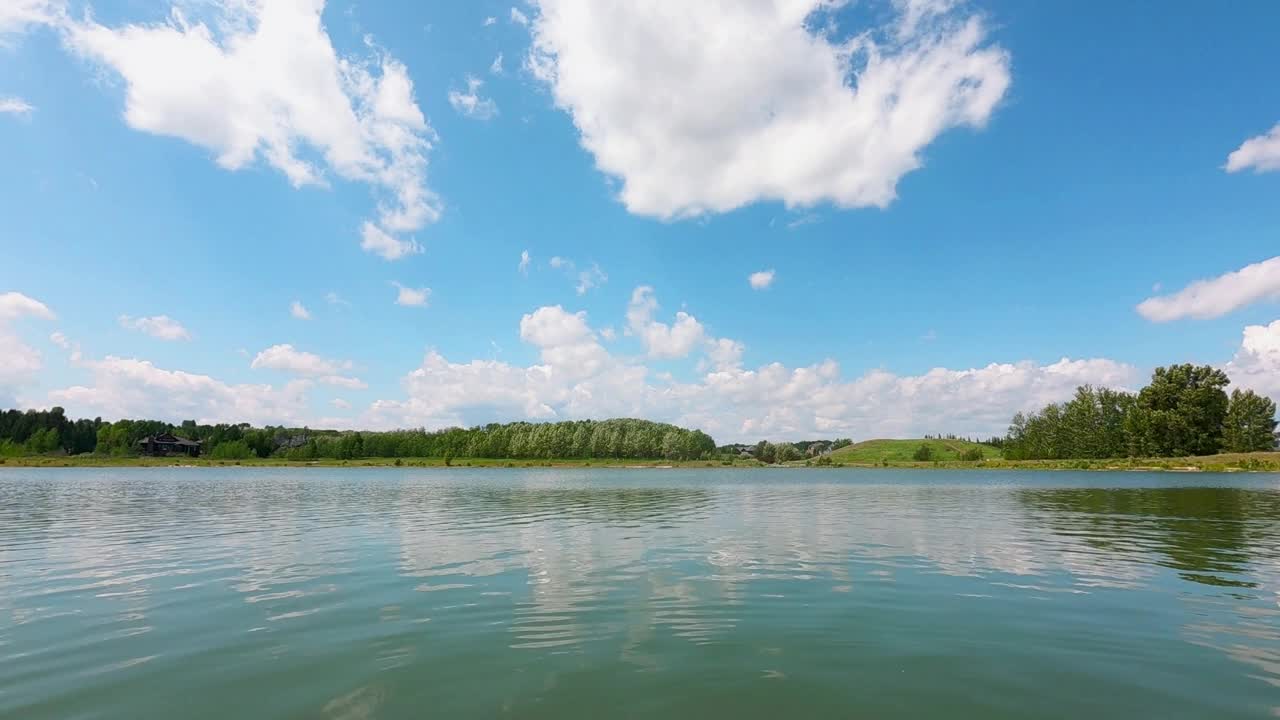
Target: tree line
(1185,410)
(50,431)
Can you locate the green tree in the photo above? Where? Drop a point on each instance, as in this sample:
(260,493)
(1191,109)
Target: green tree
(1182,411)
(1250,424)
(924,453)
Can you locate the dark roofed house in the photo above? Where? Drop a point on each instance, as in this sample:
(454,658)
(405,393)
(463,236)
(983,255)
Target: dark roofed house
(168,444)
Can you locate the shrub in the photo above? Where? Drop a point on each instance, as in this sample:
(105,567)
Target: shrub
(924,453)
(232,450)
(973,454)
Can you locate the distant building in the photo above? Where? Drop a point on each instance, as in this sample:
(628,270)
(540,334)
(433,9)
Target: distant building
(168,444)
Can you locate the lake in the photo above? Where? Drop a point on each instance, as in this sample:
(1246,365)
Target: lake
(546,593)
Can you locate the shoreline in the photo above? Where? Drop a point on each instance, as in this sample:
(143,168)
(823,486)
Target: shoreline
(1231,462)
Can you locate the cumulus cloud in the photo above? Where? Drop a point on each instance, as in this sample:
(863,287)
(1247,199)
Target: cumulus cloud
(289,359)
(299,311)
(1217,296)
(14,305)
(576,377)
(132,388)
(19,362)
(760,280)
(703,107)
(1262,153)
(340,404)
(660,340)
(15,106)
(470,103)
(411,297)
(158,326)
(261,81)
(724,354)
(1256,364)
(286,357)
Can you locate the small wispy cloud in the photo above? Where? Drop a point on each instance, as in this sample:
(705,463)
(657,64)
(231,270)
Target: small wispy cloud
(377,241)
(489,21)
(299,311)
(470,103)
(524,262)
(411,297)
(158,326)
(592,277)
(807,219)
(16,106)
(760,280)
(518,17)
(496,66)
(334,298)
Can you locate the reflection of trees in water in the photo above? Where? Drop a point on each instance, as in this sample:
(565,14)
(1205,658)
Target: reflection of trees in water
(1209,535)
(508,504)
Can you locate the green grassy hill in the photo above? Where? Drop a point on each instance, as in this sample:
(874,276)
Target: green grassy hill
(874,451)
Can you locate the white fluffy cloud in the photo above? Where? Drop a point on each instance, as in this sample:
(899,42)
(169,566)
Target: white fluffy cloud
(1217,296)
(470,103)
(19,362)
(577,377)
(158,326)
(1256,364)
(411,297)
(15,106)
(660,340)
(287,358)
(132,388)
(14,305)
(299,311)
(1262,153)
(262,81)
(760,280)
(708,106)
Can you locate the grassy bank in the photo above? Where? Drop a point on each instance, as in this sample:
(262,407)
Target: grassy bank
(1226,462)
(1231,462)
(902,451)
(108,461)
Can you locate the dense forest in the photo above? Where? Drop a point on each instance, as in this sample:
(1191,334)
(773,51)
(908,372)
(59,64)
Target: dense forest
(1185,410)
(50,431)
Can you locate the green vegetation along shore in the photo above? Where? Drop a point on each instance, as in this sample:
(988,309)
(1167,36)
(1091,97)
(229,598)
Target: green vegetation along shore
(900,451)
(1226,462)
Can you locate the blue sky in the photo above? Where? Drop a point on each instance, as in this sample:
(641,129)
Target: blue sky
(962,205)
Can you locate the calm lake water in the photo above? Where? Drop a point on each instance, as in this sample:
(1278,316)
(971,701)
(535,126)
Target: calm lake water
(386,593)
